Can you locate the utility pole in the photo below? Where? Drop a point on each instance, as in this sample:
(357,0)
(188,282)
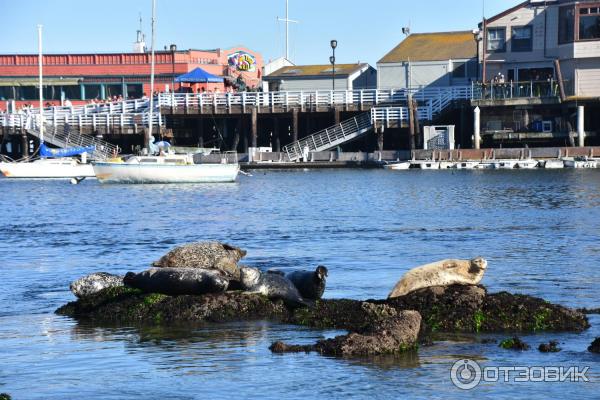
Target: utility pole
(287,21)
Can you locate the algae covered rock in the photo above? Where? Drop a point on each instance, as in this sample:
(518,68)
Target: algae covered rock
(550,347)
(204,255)
(514,344)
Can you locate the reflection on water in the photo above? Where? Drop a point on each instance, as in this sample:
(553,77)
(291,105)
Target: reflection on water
(538,229)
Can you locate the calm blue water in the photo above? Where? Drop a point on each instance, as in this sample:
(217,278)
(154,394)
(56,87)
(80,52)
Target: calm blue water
(540,231)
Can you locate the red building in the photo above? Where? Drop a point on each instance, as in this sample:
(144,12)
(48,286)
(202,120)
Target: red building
(83,77)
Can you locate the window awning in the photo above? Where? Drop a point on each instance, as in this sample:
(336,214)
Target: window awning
(50,81)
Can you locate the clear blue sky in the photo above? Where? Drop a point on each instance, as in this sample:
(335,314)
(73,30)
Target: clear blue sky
(365,30)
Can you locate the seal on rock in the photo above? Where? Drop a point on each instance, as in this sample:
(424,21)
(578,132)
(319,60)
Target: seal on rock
(441,273)
(178,281)
(272,285)
(310,284)
(204,255)
(93,283)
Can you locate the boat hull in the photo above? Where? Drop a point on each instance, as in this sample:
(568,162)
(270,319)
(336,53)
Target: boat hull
(399,166)
(108,172)
(46,169)
(554,164)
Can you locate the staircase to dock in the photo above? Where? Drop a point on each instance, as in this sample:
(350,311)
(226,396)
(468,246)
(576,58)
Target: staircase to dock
(64,137)
(331,137)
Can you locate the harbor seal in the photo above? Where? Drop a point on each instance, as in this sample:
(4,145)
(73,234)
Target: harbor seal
(272,285)
(178,281)
(204,255)
(93,283)
(310,284)
(441,273)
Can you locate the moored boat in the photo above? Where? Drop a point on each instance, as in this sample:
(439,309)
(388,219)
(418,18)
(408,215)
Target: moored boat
(580,162)
(505,164)
(47,168)
(447,164)
(554,164)
(398,166)
(427,164)
(529,163)
(169,168)
(466,164)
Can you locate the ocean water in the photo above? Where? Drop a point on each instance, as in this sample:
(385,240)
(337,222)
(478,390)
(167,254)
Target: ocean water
(539,230)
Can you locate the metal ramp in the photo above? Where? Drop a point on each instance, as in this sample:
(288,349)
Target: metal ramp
(326,139)
(64,137)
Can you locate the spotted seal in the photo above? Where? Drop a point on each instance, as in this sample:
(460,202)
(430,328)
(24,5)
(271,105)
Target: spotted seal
(272,285)
(93,283)
(441,273)
(204,255)
(310,284)
(178,281)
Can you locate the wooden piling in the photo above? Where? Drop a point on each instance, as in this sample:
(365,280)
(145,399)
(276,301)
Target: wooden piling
(254,127)
(295,124)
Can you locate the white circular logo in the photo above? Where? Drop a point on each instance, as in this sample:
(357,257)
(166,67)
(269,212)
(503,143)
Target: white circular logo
(465,374)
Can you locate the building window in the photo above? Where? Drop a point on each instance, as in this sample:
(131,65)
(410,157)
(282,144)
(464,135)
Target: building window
(6,92)
(134,91)
(72,92)
(521,39)
(496,40)
(589,23)
(92,92)
(114,90)
(566,25)
(459,69)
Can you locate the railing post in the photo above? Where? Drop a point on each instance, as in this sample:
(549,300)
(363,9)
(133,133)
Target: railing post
(530,88)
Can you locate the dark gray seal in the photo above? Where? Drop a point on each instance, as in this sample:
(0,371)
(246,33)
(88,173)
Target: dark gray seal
(310,284)
(177,281)
(204,255)
(93,283)
(272,285)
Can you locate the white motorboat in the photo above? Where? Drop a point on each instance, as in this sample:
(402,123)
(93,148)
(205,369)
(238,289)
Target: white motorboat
(47,168)
(426,164)
(529,163)
(398,166)
(554,164)
(170,168)
(466,164)
(447,164)
(580,162)
(484,165)
(505,164)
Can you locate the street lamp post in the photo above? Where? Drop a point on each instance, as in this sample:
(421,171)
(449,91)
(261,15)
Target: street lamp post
(332,61)
(173,49)
(477,34)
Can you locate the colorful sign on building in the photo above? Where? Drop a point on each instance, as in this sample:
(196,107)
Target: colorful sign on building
(242,61)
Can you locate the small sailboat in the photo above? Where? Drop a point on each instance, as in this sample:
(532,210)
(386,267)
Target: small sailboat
(164,168)
(54,163)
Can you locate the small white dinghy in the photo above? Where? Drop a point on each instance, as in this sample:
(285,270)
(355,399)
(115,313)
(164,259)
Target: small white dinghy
(554,164)
(398,166)
(505,164)
(580,162)
(529,163)
(427,164)
(447,164)
(466,165)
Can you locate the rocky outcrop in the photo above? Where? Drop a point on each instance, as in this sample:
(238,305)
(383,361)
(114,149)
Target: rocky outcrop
(94,283)
(595,346)
(514,344)
(550,347)
(204,255)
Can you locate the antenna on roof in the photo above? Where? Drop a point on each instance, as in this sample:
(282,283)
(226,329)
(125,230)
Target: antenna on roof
(287,21)
(140,42)
(406,29)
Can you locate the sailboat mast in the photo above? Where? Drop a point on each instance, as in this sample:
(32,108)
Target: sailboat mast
(149,136)
(40,83)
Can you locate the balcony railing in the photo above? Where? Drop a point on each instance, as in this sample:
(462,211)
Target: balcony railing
(516,90)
